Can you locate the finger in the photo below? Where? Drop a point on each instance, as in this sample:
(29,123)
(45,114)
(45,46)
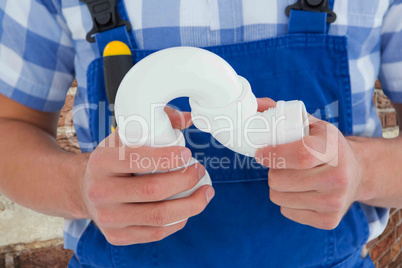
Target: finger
(326,221)
(140,160)
(140,234)
(179,120)
(292,180)
(147,188)
(167,212)
(265,103)
(157,213)
(305,200)
(320,147)
(300,200)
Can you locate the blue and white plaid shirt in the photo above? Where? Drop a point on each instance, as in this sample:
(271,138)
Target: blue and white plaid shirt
(43,46)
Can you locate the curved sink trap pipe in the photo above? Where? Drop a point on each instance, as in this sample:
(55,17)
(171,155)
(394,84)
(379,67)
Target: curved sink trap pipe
(222,104)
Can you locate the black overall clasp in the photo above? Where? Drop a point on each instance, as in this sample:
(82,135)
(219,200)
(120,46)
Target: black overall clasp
(313,5)
(104,16)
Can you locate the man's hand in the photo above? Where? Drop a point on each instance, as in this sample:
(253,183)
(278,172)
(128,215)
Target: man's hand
(131,209)
(314,180)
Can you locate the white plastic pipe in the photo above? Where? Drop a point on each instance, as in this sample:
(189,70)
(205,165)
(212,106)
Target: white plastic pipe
(222,104)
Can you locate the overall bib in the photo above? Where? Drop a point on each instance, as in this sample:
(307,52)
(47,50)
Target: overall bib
(241,227)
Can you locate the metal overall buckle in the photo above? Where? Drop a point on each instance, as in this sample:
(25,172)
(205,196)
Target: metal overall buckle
(313,5)
(104,16)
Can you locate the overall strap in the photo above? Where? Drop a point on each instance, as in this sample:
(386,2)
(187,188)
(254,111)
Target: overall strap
(110,23)
(310,16)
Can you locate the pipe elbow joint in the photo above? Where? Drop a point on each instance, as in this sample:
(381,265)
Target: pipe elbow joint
(241,128)
(222,103)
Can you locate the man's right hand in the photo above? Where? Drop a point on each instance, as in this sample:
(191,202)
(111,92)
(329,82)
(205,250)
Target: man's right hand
(131,209)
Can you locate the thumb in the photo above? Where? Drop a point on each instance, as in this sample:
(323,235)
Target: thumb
(179,120)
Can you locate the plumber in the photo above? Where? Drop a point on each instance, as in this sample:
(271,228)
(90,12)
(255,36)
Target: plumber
(319,209)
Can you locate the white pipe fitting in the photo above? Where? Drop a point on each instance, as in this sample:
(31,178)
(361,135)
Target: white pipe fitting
(222,104)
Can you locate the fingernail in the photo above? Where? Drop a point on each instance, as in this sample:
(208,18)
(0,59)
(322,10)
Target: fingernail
(258,156)
(210,193)
(201,171)
(185,155)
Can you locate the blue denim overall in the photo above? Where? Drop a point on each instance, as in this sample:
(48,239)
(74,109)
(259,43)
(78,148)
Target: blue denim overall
(241,227)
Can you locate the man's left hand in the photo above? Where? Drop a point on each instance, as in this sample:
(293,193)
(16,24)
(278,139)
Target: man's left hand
(316,179)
